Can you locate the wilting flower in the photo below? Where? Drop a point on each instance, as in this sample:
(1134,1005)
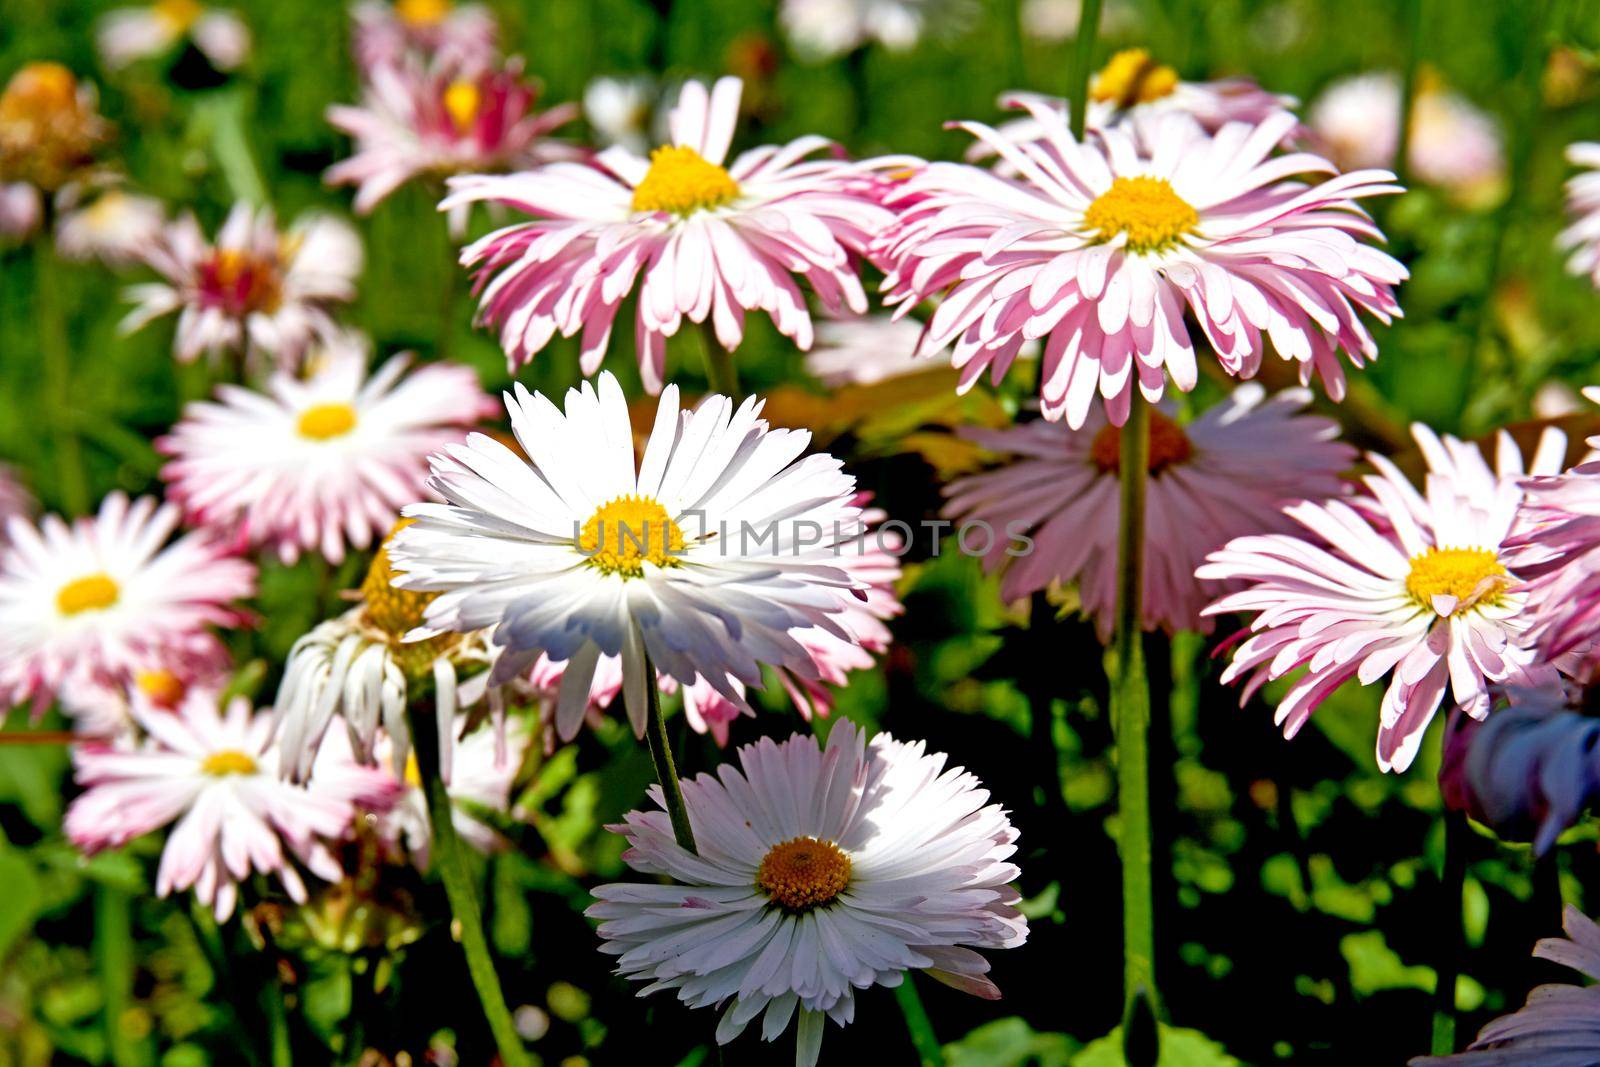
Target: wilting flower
(711,241)
(1228,473)
(702,559)
(423,32)
(1582,237)
(485,764)
(1102,247)
(255,288)
(214,772)
(819,873)
(1558,549)
(822,29)
(106,594)
(127,34)
(116,227)
(622,111)
(324,462)
(1559,1026)
(1454,145)
(1396,582)
(50,130)
(867,350)
(437,122)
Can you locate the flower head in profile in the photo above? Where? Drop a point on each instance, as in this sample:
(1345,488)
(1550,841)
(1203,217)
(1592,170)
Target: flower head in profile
(423,33)
(1417,586)
(824,29)
(116,227)
(106,594)
(128,34)
(255,288)
(702,558)
(1228,473)
(319,463)
(1581,238)
(213,772)
(108,706)
(414,122)
(700,237)
(820,872)
(50,130)
(1101,249)
(1557,547)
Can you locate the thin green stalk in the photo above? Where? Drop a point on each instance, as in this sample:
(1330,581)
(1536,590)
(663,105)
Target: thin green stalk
(277,1022)
(113,953)
(1408,88)
(661,756)
(923,1039)
(56,354)
(224,116)
(450,860)
(1130,716)
(1082,56)
(721,373)
(1452,880)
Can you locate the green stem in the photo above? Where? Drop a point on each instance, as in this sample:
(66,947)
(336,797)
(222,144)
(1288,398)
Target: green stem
(56,353)
(722,375)
(923,1039)
(1452,881)
(1408,88)
(224,118)
(451,861)
(277,1022)
(1130,716)
(1083,55)
(661,756)
(113,951)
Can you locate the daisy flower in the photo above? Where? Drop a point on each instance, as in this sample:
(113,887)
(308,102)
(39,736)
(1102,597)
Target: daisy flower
(127,34)
(214,773)
(320,463)
(50,131)
(1226,474)
(255,287)
(1582,237)
(1420,587)
(1558,549)
(824,29)
(423,32)
(108,593)
(622,111)
(866,351)
(703,558)
(414,122)
(485,765)
(107,706)
(1102,247)
(820,872)
(711,241)
(116,227)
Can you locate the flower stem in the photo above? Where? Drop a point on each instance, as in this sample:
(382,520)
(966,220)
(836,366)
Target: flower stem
(661,756)
(1130,716)
(113,951)
(923,1039)
(451,862)
(223,116)
(722,375)
(277,1023)
(57,358)
(1452,881)
(1083,55)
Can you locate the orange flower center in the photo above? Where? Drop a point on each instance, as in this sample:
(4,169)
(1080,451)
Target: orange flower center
(1132,77)
(242,282)
(162,686)
(1169,446)
(803,873)
(418,13)
(682,182)
(1145,209)
(93,592)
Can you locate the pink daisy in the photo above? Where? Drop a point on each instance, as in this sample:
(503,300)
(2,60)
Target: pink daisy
(1558,549)
(1102,247)
(1228,473)
(255,287)
(107,595)
(319,463)
(214,773)
(108,705)
(1582,237)
(423,32)
(1416,586)
(710,240)
(437,122)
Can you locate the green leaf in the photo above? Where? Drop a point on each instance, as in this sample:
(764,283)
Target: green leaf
(1374,966)
(1010,1043)
(19,896)
(1180,1047)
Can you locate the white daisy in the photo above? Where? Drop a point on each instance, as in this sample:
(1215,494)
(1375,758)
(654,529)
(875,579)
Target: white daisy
(128,34)
(116,227)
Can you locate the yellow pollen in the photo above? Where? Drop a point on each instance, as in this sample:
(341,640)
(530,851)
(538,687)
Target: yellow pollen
(394,611)
(322,422)
(803,872)
(93,592)
(422,12)
(1132,77)
(179,14)
(162,686)
(461,101)
(1145,209)
(1169,446)
(226,762)
(413,772)
(1473,576)
(622,535)
(681,181)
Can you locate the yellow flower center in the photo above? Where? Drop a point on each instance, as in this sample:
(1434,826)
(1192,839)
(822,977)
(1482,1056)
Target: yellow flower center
(1132,77)
(179,14)
(92,592)
(242,282)
(228,761)
(322,422)
(1145,209)
(413,772)
(622,535)
(1472,575)
(681,181)
(396,612)
(162,686)
(803,872)
(422,12)
(1169,446)
(461,101)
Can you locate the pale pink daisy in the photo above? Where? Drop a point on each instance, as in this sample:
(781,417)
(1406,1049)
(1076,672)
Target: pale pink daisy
(1101,247)
(711,241)
(127,34)
(321,463)
(423,32)
(107,706)
(1420,587)
(1582,237)
(255,287)
(867,350)
(1052,506)
(436,122)
(820,872)
(116,227)
(1558,549)
(107,594)
(214,773)
(824,29)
